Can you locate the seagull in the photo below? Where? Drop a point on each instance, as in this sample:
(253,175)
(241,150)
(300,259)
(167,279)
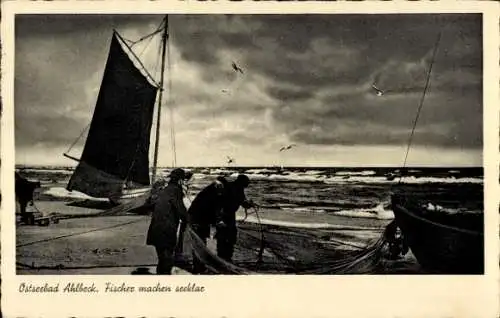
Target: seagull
(229,160)
(237,68)
(225,90)
(286,147)
(378,90)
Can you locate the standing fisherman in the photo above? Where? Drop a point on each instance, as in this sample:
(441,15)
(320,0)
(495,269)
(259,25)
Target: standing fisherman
(24,194)
(169,210)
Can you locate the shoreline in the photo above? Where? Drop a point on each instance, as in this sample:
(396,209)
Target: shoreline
(115,245)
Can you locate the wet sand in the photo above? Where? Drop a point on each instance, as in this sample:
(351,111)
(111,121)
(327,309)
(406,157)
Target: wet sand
(115,245)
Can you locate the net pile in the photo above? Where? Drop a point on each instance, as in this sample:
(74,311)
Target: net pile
(274,249)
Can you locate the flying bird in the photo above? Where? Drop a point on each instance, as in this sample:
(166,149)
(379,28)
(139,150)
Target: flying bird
(378,90)
(286,147)
(225,90)
(229,160)
(237,68)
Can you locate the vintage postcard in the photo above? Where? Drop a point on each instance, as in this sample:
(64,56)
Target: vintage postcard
(185,159)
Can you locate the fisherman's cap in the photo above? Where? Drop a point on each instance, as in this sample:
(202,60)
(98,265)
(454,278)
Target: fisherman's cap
(180,174)
(243,180)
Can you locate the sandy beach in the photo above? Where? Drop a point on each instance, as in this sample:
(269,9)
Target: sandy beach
(82,243)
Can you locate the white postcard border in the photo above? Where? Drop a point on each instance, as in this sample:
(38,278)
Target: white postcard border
(263,296)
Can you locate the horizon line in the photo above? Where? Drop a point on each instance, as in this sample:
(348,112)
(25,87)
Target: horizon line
(277,166)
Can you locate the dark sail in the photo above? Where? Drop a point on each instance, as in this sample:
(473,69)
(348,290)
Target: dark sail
(117,145)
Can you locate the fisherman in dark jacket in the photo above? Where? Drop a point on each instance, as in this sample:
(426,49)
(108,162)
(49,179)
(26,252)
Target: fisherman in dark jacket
(234,197)
(202,214)
(169,210)
(24,194)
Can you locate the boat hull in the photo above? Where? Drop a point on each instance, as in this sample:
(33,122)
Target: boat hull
(128,195)
(442,243)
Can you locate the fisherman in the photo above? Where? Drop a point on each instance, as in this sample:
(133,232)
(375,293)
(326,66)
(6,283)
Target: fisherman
(24,194)
(169,210)
(234,197)
(202,215)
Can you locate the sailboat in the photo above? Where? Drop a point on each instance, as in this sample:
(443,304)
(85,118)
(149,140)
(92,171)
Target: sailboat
(114,163)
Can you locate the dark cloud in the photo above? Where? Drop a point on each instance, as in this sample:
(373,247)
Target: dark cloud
(311,73)
(350,49)
(52,26)
(49,129)
(370,120)
(290,94)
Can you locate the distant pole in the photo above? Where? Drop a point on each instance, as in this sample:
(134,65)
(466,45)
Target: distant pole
(160,97)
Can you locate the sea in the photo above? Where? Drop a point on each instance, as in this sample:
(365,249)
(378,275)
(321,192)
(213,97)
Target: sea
(315,192)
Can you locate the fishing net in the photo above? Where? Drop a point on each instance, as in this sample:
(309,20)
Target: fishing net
(275,249)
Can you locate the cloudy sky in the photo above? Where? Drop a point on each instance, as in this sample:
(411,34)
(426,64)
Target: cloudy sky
(307,81)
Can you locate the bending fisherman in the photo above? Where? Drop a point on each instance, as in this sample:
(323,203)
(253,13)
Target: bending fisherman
(202,214)
(227,232)
(168,211)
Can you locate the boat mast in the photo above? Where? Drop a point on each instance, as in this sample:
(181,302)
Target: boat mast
(157,138)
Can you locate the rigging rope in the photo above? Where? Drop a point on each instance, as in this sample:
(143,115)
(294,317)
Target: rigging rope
(427,82)
(150,35)
(80,233)
(157,64)
(80,136)
(138,60)
(262,237)
(62,266)
(172,127)
(145,47)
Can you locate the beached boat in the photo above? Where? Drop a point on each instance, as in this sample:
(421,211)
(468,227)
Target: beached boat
(114,163)
(442,243)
